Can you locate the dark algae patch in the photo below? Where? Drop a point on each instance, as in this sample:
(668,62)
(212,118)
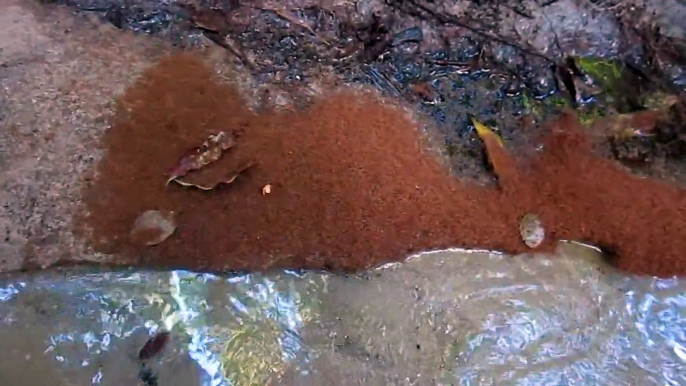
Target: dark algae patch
(352,185)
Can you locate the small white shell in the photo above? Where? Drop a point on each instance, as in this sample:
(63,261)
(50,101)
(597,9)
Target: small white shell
(152,227)
(531,230)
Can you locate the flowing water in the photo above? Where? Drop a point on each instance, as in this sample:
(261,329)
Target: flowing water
(443,318)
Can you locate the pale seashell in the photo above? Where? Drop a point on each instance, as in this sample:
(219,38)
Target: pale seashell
(152,227)
(531,230)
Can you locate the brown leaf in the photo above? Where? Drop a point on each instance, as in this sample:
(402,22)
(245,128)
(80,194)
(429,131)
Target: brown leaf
(154,345)
(210,151)
(232,177)
(624,126)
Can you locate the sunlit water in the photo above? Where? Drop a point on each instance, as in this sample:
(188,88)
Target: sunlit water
(443,318)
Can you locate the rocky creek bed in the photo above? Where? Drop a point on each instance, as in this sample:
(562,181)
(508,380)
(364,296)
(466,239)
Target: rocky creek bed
(335,183)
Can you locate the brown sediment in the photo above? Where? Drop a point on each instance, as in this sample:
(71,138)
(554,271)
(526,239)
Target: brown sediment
(351,187)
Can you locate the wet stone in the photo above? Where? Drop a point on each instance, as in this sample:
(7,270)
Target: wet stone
(407,48)
(509,57)
(465,49)
(541,84)
(296,53)
(410,35)
(512,88)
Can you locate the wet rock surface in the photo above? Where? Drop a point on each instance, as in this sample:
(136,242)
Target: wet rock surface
(448,59)
(58,75)
(70,58)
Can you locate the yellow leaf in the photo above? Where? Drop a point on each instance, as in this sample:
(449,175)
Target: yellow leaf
(503,164)
(485,132)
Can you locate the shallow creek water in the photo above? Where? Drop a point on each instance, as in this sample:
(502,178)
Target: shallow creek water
(443,318)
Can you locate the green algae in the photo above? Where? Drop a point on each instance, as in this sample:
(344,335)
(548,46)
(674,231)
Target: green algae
(606,72)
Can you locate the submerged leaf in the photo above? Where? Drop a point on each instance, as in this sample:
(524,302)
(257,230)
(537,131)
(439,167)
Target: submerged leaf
(210,151)
(660,101)
(152,227)
(154,345)
(638,124)
(486,134)
(231,178)
(503,164)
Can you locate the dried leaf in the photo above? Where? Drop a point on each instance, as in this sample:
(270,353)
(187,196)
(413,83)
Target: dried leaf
(232,177)
(152,227)
(532,231)
(638,124)
(486,134)
(502,162)
(660,101)
(154,345)
(630,125)
(210,151)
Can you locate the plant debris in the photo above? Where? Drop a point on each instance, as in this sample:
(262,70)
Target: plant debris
(210,151)
(500,159)
(638,124)
(425,92)
(228,180)
(154,345)
(152,227)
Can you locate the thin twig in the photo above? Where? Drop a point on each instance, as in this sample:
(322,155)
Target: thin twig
(288,16)
(603,9)
(452,19)
(220,40)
